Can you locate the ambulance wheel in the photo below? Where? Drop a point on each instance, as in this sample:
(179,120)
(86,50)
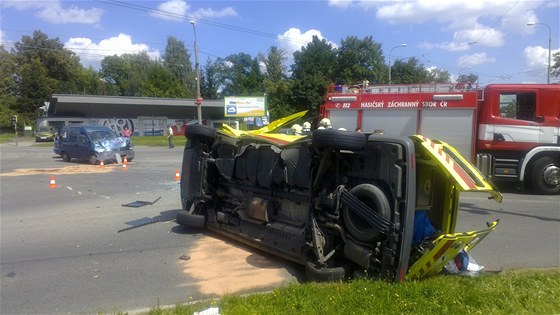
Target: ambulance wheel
(200,132)
(314,272)
(190,220)
(339,139)
(374,198)
(545,175)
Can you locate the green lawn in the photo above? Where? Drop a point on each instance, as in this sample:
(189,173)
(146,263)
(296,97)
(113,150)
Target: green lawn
(513,292)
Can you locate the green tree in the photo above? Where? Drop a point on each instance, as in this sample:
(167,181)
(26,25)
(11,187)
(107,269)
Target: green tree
(359,60)
(178,60)
(439,75)
(312,72)
(555,67)
(43,67)
(240,75)
(210,81)
(409,72)
(8,88)
(273,64)
(471,77)
(160,82)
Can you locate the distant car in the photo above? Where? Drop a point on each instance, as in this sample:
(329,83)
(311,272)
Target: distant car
(45,133)
(341,203)
(93,144)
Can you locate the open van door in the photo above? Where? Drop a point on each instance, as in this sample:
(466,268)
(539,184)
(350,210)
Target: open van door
(458,175)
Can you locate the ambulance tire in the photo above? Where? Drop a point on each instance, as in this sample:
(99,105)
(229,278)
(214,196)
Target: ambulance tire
(339,139)
(314,272)
(203,133)
(190,220)
(373,197)
(544,176)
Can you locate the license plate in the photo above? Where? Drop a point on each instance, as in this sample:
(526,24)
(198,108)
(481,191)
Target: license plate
(43,138)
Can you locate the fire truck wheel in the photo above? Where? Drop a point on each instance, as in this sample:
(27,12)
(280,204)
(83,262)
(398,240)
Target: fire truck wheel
(339,139)
(546,175)
(373,197)
(201,132)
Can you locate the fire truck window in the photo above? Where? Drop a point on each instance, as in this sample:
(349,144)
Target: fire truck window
(518,105)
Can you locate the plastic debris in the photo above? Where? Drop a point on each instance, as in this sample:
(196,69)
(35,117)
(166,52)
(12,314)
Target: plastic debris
(210,311)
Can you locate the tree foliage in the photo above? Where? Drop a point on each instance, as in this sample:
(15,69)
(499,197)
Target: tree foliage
(555,67)
(359,60)
(38,67)
(178,61)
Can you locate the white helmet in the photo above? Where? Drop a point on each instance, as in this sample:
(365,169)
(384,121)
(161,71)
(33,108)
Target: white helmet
(296,129)
(325,122)
(306,126)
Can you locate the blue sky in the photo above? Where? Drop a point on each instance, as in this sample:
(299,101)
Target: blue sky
(490,38)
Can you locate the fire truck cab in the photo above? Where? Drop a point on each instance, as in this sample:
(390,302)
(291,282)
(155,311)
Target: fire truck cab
(510,131)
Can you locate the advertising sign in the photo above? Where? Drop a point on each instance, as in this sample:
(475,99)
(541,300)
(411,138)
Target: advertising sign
(244,106)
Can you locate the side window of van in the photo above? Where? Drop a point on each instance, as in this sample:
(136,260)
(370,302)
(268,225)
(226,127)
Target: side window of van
(73,136)
(82,139)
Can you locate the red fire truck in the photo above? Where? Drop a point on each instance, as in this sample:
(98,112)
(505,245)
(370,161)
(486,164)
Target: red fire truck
(510,131)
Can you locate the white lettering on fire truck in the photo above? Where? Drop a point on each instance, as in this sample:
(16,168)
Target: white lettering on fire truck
(372,104)
(403,104)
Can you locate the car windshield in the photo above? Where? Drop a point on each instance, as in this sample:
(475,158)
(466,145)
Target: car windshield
(44,129)
(102,135)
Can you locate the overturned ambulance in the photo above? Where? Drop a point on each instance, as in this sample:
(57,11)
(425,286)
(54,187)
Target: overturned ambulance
(341,203)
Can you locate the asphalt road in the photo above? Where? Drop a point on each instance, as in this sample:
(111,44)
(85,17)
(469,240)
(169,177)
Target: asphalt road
(61,250)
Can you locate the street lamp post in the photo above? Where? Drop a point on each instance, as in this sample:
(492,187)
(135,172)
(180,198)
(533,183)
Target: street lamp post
(198,101)
(401,45)
(549,47)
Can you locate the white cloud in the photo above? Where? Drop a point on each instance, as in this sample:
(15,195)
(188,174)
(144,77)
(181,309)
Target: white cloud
(172,10)
(91,53)
(53,12)
(536,60)
(177,10)
(293,39)
(340,3)
(475,59)
(483,21)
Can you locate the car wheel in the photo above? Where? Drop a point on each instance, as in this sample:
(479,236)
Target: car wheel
(545,176)
(190,220)
(92,159)
(339,139)
(201,132)
(374,198)
(314,272)
(65,157)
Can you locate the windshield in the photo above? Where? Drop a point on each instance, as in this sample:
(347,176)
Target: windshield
(102,135)
(44,129)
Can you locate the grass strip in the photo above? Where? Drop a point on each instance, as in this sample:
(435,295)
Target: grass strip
(513,292)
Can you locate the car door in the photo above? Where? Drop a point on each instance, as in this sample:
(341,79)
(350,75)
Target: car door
(69,143)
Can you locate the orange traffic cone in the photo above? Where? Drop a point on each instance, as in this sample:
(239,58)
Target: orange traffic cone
(53,183)
(177,175)
(125,161)
(101,164)
(124,166)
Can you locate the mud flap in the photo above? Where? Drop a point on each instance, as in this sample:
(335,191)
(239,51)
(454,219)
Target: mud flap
(445,248)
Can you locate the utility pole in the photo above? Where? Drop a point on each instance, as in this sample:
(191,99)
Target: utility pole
(198,101)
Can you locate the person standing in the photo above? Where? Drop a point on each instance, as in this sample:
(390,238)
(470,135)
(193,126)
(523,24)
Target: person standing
(170,136)
(126,132)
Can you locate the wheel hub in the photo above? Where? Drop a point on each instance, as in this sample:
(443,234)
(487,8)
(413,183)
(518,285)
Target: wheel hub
(551,175)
